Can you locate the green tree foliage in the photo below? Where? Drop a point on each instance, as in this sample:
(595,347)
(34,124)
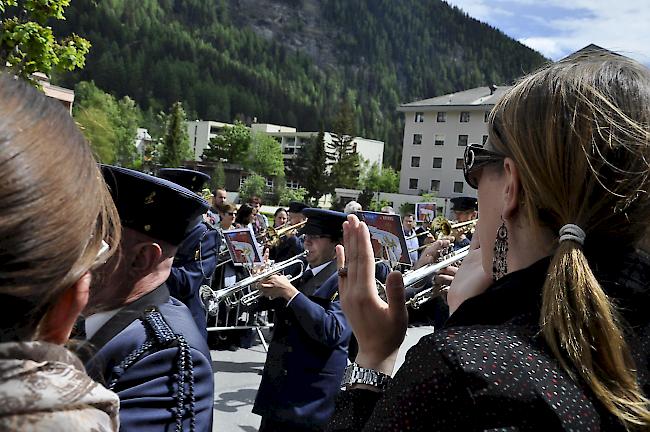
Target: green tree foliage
(207,54)
(175,145)
(232,145)
(28,44)
(218,177)
(109,125)
(266,156)
(309,167)
(253,185)
(287,195)
(343,156)
(384,179)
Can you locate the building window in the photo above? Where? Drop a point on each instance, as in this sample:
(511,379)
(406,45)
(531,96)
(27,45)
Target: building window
(292,184)
(462,140)
(484,139)
(415,161)
(486,116)
(242,179)
(458,187)
(439,140)
(437,162)
(417,139)
(441,117)
(419,117)
(435,185)
(413,183)
(459,163)
(464,116)
(269,185)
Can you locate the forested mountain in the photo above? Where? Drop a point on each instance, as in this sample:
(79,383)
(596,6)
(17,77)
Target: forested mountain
(291,62)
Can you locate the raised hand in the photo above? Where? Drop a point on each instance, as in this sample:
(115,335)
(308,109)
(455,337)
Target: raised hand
(378,327)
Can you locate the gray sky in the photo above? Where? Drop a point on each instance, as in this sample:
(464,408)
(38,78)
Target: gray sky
(557,28)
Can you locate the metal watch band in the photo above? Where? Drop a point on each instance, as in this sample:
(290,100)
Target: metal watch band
(355,374)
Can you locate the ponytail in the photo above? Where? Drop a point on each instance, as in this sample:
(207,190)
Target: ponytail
(581,327)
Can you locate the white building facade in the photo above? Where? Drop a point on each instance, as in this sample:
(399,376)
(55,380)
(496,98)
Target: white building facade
(436,133)
(291,141)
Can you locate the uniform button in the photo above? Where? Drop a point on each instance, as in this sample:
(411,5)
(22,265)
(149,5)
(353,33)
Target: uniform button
(289,349)
(284,372)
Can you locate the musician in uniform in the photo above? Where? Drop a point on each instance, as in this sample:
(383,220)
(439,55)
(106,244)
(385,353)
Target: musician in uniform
(142,343)
(465,209)
(308,353)
(292,243)
(196,258)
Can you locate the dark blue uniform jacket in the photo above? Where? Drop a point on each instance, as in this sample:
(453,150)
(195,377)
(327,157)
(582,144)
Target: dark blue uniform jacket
(194,265)
(307,356)
(138,354)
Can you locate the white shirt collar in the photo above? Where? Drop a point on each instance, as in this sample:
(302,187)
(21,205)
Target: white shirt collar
(317,270)
(96,321)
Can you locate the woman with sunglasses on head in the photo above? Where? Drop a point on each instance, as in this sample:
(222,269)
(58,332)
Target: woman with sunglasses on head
(46,264)
(549,328)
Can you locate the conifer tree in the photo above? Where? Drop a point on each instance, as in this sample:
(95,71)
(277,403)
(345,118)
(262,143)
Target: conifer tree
(176,145)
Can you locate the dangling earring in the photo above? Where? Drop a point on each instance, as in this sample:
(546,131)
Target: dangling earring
(499,262)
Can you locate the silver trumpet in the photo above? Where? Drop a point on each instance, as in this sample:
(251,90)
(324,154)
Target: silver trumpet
(243,293)
(415,276)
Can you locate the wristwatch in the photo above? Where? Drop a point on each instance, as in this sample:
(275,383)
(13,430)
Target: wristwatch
(355,374)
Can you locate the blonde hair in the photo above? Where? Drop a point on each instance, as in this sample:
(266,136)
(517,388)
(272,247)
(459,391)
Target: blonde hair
(55,209)
(579,132)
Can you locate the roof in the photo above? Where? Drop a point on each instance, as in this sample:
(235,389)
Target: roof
(476,97)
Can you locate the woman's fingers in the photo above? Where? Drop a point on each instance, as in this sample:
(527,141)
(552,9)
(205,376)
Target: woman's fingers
(340,263)
(395,291)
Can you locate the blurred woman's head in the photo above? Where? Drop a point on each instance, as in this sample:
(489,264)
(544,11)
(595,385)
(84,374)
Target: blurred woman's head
(244,215)
(280,217)
(227,214)
(56,214)
(571,145)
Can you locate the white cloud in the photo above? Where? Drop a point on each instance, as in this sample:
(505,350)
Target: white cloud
(559,27)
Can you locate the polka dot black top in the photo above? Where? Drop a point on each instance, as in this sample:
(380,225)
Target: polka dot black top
(489,369)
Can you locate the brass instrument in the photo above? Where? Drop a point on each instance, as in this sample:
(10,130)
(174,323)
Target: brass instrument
(415,276)
(242,292)
(442,227)
(275,234)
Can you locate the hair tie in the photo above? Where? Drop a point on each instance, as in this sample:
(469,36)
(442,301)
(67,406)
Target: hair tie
(572,232)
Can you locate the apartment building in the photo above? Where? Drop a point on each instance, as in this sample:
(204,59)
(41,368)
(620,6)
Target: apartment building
(291,141)
(436,132)
(201,132)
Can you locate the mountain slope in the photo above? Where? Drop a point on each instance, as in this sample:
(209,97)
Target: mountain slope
(292,62)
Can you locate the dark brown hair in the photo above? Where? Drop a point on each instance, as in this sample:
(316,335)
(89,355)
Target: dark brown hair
(55,209)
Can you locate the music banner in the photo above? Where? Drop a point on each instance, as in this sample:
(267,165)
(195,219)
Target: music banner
(425,212)
(242,247)
(386,236)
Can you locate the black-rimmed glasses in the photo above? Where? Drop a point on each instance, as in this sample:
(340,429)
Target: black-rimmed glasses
(476,158)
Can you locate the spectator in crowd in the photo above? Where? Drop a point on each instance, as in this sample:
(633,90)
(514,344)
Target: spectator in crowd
(260,222)
(245,216)
(408,224)
(47,264)
(352,207)
(549,328)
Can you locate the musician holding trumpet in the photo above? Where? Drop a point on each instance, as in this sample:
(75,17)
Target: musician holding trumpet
(308,352)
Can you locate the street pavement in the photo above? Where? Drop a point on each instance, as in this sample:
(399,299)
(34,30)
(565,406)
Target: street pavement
(237,377)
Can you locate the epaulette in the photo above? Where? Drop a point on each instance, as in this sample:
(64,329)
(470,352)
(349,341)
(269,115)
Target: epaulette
(161,336)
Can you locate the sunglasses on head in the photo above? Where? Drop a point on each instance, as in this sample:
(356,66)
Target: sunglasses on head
(475,159)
